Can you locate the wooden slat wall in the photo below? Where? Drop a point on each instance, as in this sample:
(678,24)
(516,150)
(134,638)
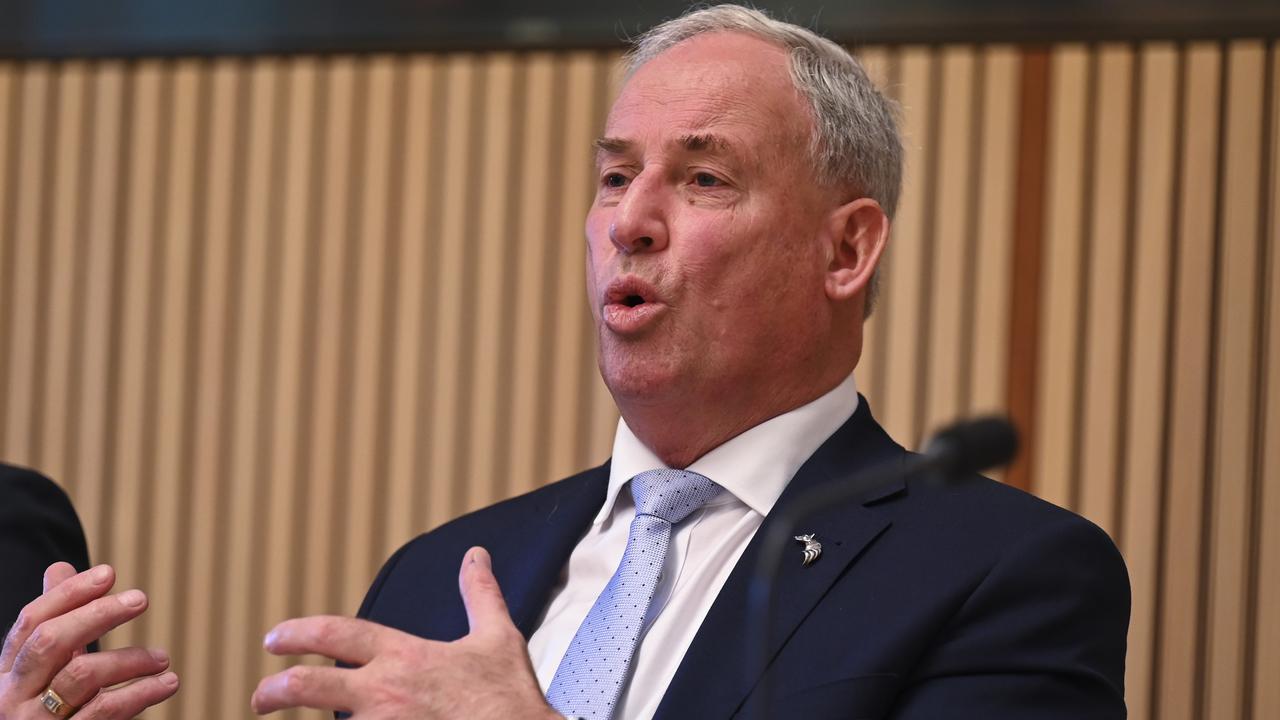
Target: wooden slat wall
(266,319)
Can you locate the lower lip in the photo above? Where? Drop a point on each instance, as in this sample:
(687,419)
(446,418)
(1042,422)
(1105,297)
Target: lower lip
(625,320)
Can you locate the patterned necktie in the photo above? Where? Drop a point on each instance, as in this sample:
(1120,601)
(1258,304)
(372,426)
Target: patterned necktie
(594,668)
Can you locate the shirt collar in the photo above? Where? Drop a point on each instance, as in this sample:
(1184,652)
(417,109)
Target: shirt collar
(755,466)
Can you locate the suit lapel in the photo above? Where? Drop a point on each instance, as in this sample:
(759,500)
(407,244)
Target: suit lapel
(540,556)
(712,680)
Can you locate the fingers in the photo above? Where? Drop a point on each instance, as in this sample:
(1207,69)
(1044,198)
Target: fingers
(59,599)
(486,608)
(85,675)
(322,688)
(56,573)
(129,701)
(51,644)
(352,641)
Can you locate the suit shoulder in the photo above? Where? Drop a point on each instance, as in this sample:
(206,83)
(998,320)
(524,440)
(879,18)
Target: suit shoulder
(523,512)
(31,496)
(983,523)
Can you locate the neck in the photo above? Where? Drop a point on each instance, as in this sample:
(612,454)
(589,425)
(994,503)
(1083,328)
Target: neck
(681,429)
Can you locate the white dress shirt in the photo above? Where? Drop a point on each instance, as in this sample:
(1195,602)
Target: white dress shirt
(753,468)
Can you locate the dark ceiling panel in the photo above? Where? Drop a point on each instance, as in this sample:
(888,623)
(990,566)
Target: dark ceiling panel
(77,28)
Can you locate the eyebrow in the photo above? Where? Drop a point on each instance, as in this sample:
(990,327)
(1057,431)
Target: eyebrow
(693,142)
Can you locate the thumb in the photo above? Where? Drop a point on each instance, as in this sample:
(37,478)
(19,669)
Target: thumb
(486,609)
(56,573)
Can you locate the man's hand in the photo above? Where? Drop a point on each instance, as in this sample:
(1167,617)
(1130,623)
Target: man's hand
(45,649)
(486,674)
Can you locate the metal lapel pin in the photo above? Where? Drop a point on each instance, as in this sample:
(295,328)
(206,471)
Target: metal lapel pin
(812,548)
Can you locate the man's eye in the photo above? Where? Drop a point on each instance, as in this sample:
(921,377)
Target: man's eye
(707,180)
(615,180)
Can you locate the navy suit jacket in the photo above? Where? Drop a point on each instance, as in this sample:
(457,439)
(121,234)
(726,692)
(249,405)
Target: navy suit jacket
(38,527)
(966,599)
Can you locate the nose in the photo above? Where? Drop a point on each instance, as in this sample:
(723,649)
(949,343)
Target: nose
(639,221)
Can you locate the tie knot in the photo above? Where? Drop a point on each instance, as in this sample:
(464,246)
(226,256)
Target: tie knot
(671,494)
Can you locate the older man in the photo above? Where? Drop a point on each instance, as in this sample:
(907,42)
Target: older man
(747,173)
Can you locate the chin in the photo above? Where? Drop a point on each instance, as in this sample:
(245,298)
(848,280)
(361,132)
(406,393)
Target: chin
(636,378)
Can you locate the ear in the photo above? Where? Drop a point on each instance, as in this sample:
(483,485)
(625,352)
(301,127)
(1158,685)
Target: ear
(858,232)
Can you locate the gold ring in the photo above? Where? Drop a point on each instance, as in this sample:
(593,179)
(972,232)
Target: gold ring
(53,702)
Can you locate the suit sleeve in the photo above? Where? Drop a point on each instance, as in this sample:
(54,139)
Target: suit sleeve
(1042,636)
(38,527)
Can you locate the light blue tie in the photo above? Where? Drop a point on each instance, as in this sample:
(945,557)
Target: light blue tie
(594,668)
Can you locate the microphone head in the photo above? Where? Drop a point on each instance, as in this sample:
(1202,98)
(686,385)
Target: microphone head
(971,446)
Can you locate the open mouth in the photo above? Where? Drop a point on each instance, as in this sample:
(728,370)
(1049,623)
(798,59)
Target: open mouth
(632,300)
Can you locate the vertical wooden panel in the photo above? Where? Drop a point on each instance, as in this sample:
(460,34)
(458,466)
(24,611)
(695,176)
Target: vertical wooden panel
(410,304)
(1104,301)
(947,378)
(1057,387)
(994,252)
(904,287)
(140,274)
(107,82)
(64,203)
(877,62)
(358,476)
(170,382)
(248,424)
(199,619)
(1181,579)
(25,297)
(536,240)
(488,298)
(10,82)
(1147,398)
(1236,382)
(450,301)
(565,418)
(1027,263)
(1266,691)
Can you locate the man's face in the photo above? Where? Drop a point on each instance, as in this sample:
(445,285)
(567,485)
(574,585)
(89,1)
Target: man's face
(705,242)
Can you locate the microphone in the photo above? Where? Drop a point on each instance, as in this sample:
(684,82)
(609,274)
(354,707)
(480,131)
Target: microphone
(960,449)
(972,446)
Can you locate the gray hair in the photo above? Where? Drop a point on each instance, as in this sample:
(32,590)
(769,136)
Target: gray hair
(855,142)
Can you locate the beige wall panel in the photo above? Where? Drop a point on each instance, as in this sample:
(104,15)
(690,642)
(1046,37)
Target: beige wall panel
(140,275)
(97,312)
(338,78)
(168,480)
(195,648)
(359,477)
(36,85)
(1053,469)
(64,201)
(877,61)
(1105,291)
(994,253)
(533,243)
(1146,393)
(902,305)
(1236,382)
(450,308)
(952,252)
(296,240)
(1182,573)
(571,349)
(489,299)
(10,81)
(403,520)
(1266,691)
(241,595)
